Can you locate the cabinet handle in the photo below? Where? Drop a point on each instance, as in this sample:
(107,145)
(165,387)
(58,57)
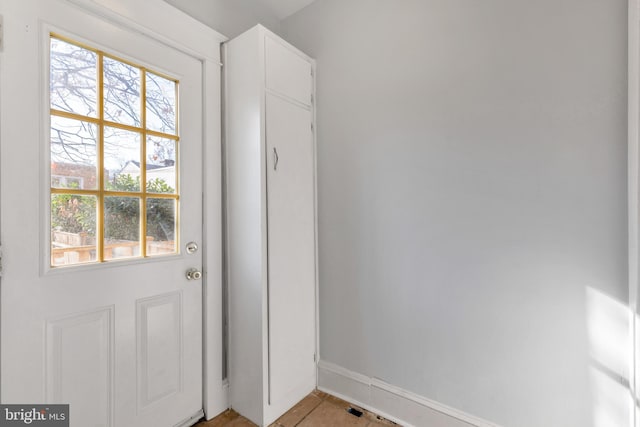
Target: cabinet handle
(275,159)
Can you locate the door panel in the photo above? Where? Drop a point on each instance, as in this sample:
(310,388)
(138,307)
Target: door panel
(291,249)
(79,360)
(121,342)
(159,332)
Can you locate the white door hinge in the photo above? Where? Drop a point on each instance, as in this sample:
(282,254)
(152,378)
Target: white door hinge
(311,98)
(0,260)
(311,127)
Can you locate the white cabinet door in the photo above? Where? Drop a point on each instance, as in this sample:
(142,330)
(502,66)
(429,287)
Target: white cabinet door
(291,249)
(287,72)
(121,342)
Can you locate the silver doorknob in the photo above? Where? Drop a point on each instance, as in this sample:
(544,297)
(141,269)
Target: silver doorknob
(194,274)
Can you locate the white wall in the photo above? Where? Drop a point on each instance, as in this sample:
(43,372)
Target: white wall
(229,17)
(472,200)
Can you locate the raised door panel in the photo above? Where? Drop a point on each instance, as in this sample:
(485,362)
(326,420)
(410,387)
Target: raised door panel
(79,365)
(287,72)
(291,251)
(159,347)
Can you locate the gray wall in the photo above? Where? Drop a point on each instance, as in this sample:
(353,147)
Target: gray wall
(472,194)
(229,17)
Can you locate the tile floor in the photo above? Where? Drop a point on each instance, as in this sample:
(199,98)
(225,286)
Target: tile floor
(318,409)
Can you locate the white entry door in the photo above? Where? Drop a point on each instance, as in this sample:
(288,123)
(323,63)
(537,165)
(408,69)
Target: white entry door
(101,185)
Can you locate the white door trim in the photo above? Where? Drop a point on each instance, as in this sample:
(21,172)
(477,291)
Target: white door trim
(200,41)
(633,196)
(203,43)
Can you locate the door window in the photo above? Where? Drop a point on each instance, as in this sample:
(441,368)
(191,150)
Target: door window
(113,153)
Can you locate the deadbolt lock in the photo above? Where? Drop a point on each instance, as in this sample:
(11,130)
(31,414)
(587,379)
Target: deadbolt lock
(191,247)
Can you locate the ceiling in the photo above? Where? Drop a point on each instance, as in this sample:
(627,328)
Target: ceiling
(283,8)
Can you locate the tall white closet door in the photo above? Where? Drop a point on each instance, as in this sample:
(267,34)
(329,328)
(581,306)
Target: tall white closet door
(290,219)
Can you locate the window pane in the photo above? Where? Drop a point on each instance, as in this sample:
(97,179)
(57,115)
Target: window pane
(102,164)
(161,226)
(121,227)
(73,229)
(122,159)
(121,92)
(73,154)
(161,165)
(73,79)
(161,104)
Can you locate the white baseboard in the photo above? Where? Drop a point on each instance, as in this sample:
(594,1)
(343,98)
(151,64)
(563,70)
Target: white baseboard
(396,404)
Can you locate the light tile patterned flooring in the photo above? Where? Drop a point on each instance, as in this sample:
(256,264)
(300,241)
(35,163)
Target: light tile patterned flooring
(318,409)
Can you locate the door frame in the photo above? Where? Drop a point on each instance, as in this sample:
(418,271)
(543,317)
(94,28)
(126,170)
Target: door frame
(633,202)
(164,23)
